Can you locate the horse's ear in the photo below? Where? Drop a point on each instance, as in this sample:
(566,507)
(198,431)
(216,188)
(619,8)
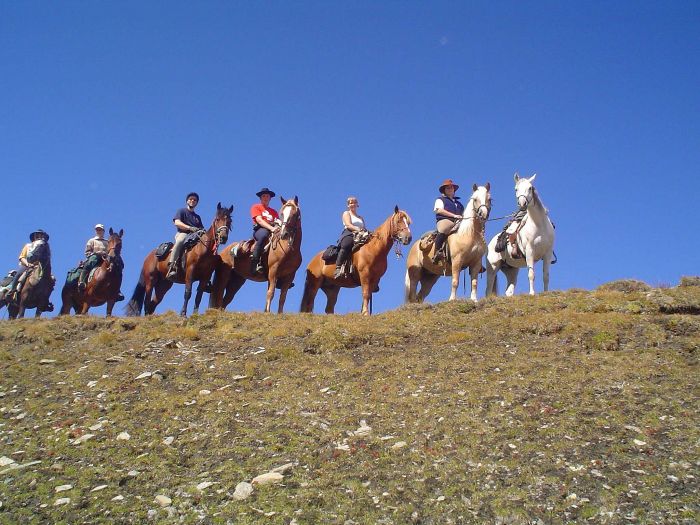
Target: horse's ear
(218,206)
(533,177)
(121,232)
(396,209)
(516,177)
(296,200)
(111,232)
(488,186)
(283,200)
(475,187)
(230,210)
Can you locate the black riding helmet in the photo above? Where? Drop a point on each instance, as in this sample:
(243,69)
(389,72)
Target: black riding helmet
(192,194)
(36,233)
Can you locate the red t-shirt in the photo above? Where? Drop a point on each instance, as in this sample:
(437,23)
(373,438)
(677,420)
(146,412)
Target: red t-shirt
(266,213)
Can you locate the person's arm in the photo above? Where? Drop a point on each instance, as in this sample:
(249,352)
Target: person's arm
(347,222)
(23,256)
(184,227)
(263,223)
(88,249)
(437,208)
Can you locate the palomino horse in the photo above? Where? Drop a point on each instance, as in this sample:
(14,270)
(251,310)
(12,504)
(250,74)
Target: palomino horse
(534,239)
(37,287)
(104,285)
(369,264)
(466,247)
(282,262)
(199,264)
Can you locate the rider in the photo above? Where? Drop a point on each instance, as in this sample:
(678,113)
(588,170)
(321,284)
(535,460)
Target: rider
(264,223)
(186,221)
(352,223)
(24,264)
(447,210)
(96,249)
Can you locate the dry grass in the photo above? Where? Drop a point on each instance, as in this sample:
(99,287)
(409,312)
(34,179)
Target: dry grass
(560,408)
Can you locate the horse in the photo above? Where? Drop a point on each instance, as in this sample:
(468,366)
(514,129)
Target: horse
(282,262)
(200,262)
(37,288)
(534,241)
(104,285)
(466,247)
(369,265)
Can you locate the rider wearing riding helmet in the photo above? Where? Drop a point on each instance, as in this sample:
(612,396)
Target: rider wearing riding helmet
(96,249)
(265,221)
(186,221)
(447,210)
(352,222)
(34,238)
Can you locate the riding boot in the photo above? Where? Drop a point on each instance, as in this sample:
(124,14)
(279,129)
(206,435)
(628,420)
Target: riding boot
(340,263)
(255,264)
(82,279)
(439,242)
(174,261)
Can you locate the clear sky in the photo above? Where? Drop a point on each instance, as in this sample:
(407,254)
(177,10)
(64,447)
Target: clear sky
(112,112)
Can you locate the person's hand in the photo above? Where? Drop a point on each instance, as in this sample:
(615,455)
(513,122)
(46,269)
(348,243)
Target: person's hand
(193,229)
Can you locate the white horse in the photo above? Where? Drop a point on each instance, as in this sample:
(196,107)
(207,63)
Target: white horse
(467,248)
(534,241)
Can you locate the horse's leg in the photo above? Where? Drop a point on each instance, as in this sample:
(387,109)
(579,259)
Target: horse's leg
(511,274)
(198,297)
(20,310)
(414,275)
(37,313)
(84,308)
(220,285)
(474,275)
(188,294)
(331,298)
(546,262)
(271,284)
(530,270)
(311,286)
(235,283)
(367,287)
(426,284)
(491,276)
(456,270)
(284,288)
(110,305)
(160,289)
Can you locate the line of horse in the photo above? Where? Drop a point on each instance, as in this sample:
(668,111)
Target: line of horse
(223,273)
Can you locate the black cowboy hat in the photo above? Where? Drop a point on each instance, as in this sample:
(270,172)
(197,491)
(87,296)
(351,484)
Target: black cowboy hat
(448,182)
(33,235)
(264,191)
(192,194)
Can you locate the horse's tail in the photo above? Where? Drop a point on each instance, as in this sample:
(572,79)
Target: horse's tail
(307,299)
(133,307)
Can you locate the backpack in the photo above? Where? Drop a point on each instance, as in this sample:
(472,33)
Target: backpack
(163,250)
(330,254)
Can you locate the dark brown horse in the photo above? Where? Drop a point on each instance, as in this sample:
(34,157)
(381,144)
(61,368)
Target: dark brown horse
(37,287)
(104,285)
(281,264)
(369,265)
(200,262)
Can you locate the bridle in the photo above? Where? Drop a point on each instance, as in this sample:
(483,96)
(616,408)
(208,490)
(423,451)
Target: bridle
(289,226)
(528,196)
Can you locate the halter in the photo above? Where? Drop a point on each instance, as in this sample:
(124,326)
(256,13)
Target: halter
(291,227)
(396,242)
(528,198)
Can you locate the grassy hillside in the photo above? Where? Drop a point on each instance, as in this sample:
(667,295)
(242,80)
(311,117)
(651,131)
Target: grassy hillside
(566,407)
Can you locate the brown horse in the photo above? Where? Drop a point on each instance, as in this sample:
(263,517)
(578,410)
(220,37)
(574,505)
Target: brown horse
(467,247)
(200,262)
(369,264)
(37,287)
(104,285)
(282,262)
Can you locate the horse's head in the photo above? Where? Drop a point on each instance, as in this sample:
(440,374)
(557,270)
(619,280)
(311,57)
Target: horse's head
(222,223)
(290,215)
(481,201)
(524,190)
(114,244)
(400,229)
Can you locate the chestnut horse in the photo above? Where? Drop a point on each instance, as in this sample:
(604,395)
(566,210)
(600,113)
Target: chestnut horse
(467,247)
(200,262)
(282,262)
(37,287)
(369,265)
(104,285)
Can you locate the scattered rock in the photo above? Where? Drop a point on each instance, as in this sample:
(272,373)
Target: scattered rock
(204,392)
(118,498)
(47,361)
(61,501)
(99,488)
(162,500)
(639,443)
(168,440)
(238,378)
(97,426)
(123,436)
(132,473)
(4,461)
(63,488)
(243,491)
(364,430)
(204,485)
(83,439)
(283,468)
(268,478)
(398,445)
(144,375)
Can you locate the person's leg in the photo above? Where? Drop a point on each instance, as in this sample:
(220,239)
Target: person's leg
(175,253)
(444,227)
(89,264)
(343,254)
(15,280)
(260,235)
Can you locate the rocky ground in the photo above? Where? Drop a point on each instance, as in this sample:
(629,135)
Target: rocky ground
(568,407)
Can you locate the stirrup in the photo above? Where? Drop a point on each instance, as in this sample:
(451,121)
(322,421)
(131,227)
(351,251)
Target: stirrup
(338,273)
(81,285)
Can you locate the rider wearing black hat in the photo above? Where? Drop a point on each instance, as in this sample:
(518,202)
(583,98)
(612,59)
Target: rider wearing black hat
(186,221)
(24,265)
(264,224)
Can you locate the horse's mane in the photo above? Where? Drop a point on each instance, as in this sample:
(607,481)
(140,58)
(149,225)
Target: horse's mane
(467,225)
(538,201)
(386,225)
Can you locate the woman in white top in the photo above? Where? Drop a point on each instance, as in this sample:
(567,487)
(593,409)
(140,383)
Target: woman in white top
(352,223)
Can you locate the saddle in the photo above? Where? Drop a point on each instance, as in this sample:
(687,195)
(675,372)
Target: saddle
(427,240)
(508,240)
(359,239)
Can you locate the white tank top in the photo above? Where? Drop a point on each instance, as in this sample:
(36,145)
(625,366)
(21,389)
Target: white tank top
(356,221)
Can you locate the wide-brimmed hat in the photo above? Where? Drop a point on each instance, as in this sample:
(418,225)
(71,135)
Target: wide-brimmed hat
(33,235)
(448,182)
(99,226)
(264,191)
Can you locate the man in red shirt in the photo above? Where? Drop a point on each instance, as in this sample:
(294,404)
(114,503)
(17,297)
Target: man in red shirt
(264,223)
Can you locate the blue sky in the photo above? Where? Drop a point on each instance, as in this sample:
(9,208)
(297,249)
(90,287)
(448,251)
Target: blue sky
(112,112)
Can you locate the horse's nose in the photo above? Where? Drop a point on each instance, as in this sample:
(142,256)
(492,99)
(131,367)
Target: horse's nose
(407,239)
